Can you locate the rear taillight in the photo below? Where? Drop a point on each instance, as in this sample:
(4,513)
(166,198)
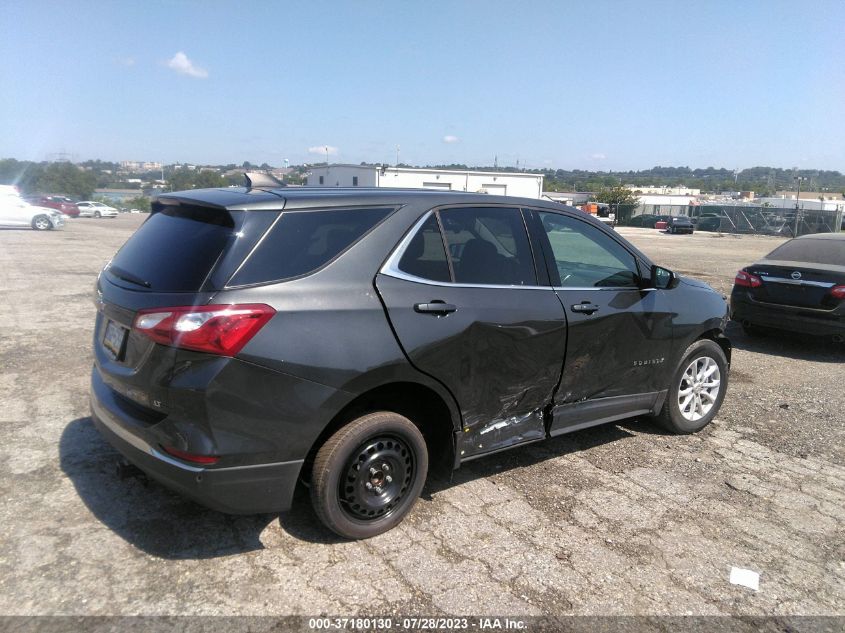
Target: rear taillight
(216,329)
(838,292)
(747,280)
(191,457)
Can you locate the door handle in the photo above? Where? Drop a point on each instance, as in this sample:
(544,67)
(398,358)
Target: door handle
(585,307)
(435,307)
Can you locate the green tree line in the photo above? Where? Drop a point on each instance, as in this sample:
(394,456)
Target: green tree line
(59,178)
(69,179)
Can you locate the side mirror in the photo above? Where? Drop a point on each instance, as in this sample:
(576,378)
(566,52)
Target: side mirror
(663,278)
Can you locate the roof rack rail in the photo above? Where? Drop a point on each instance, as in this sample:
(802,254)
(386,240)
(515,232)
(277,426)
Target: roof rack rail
(260,179)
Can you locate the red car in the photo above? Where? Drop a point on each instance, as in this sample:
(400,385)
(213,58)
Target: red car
(60,203)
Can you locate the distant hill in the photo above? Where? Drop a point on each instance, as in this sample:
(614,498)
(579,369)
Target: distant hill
(761,180)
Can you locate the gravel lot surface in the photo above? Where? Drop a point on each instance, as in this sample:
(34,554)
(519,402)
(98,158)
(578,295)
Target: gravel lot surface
(619,519)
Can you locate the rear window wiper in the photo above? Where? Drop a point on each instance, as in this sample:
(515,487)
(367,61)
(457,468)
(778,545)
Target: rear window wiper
(127,276)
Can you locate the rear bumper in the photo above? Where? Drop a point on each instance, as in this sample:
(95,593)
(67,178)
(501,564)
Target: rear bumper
(248,489)
(786,318)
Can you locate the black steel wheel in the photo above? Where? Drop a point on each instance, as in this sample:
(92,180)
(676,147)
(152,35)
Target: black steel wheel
(368,475)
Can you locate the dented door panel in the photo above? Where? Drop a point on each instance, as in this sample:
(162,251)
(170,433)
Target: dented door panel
(500,353)
(623,348)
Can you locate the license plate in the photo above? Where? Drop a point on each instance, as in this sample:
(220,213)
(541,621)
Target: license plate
(113,339)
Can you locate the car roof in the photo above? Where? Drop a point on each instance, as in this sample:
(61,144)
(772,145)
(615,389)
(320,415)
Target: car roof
(822,236)
(257,198)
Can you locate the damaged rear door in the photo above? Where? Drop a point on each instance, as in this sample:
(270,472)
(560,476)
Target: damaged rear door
(479,320)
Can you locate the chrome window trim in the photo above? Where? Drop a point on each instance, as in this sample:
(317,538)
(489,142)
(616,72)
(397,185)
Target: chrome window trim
(604,288)
(398,274)
(391,269)
(797,282)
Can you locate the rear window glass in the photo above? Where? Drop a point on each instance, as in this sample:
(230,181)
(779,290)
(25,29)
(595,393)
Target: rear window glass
(175,249)
(815,251)
(425,256)
(303,241)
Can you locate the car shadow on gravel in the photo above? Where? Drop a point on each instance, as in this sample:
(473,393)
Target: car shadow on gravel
(145,513)
(301,522)
(163,524)
(787,344)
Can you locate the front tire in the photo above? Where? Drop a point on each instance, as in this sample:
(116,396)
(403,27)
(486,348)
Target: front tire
(369,474)
(697,389)
(97,214)
(41,223)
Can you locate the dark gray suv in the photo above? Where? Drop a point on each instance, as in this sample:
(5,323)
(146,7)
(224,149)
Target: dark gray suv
(251,338)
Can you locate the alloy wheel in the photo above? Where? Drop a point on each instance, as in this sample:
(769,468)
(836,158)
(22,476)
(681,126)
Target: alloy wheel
(699,388)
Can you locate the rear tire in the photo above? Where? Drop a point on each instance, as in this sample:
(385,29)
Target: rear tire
(369,474)
(97,214)
(41,223)
(697,389)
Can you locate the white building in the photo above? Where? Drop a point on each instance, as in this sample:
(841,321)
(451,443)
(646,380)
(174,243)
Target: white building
(788,202)
(495,183)
(135,165)
(664,191)
(571,198)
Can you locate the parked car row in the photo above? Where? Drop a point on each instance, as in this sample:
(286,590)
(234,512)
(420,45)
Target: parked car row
(17,212)
(66,206)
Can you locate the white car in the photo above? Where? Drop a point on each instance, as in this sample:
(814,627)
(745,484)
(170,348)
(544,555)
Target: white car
(17,212)
(91,209)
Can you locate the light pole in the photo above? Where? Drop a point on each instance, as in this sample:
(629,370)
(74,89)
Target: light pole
(798,179)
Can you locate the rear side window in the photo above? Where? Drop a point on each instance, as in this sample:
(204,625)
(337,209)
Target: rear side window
(812,251)
(488,246)
(425,256)
(300,242)
(175,249)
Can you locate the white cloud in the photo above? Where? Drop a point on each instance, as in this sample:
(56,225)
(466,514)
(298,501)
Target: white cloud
(126,61)
(322,149)
(450,139)
(598,156)
(184,66)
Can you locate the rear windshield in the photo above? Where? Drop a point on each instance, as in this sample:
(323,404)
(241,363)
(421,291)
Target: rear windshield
(815,251)
(175,249)
(303,241)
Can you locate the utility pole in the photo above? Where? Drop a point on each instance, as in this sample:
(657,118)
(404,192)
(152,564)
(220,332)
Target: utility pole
(798,179)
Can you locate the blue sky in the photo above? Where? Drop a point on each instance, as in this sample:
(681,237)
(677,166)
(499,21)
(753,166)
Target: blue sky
(601,85)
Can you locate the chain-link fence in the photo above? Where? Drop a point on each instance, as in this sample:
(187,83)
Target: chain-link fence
(739,218)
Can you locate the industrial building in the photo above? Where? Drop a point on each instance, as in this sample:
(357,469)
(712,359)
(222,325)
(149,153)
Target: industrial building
(494,183)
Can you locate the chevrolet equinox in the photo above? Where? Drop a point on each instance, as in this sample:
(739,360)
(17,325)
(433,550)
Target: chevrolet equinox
(250,338)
